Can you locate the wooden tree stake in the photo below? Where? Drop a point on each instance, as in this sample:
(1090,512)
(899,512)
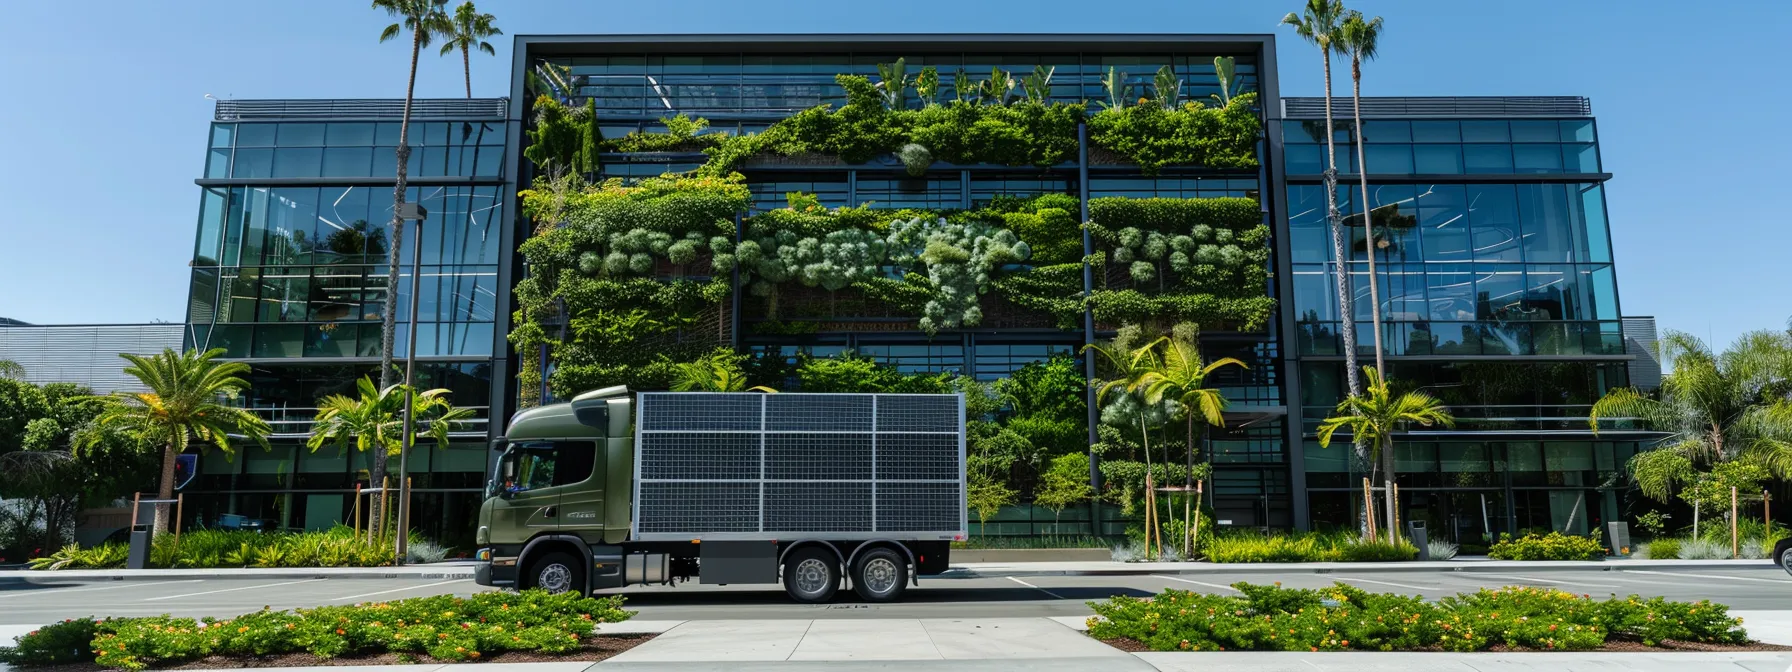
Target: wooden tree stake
(180,504)
(1735,542)
(1369,507)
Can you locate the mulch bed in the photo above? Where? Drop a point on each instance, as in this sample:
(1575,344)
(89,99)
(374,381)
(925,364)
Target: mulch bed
(592,649)
(1614,646)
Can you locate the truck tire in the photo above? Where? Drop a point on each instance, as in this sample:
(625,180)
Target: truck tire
(555,572)
(1784,555)
(811,575)
(881,575)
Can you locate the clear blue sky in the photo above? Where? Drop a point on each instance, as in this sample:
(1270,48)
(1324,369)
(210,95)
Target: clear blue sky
(105,120)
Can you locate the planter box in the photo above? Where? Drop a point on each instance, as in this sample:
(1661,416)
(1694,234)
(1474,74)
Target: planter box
(1031,555)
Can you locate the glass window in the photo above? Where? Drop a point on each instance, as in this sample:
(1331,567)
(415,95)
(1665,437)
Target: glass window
(349,134)
(1604,291)
(255,135)
(211,227)
(1551,292)
(1437,159)
(1536,131)
(285,295)
(254,224)
(1436,131)
(1443,223)
(223,135)
(1537,158)
(292,223)
(1464,457)
(1301,132)
(298,161)
(333,339)
(1405,297)
(1493,214)
(301,135)
(1548,224)
(1450,289)
(1390,159)
(386,133)
(1580,158)
(252,163)
(1499,291)
(1314,294)
(279,341)
(1577,130)
(336,294)
(1495,159)
(1485,131)
(1396,222)
(1387,131)
(1305,159)
(1592,211)
(347,161)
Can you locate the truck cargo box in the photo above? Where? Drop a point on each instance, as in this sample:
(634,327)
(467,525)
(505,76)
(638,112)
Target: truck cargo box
(745,466)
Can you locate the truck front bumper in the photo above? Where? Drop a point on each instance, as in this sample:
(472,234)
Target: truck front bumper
(493,571)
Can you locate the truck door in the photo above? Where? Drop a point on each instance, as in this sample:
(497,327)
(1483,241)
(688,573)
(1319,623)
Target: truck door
(581,471)
(528,499)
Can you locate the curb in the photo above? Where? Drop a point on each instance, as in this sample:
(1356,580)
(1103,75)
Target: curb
(60,576)
(1144,569)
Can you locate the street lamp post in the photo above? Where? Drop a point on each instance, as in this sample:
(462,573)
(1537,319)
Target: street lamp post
(410,212)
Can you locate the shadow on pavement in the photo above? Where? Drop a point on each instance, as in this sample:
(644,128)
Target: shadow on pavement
(922,595)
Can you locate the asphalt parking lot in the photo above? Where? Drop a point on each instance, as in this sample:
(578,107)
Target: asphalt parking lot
(29,604)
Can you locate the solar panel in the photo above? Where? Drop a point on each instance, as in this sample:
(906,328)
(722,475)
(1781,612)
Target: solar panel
(785,466)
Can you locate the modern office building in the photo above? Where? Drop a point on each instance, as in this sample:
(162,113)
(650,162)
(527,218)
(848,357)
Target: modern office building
(1494,263)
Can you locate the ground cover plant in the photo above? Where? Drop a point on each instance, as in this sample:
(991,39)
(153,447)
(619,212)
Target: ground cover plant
(1340,618)
(1552,546)
(200,549)
(1306,547)
(444,628)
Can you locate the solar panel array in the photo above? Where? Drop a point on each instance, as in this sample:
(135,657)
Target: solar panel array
(750,465)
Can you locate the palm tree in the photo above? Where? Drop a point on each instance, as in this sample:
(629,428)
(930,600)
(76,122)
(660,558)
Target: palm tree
(1130,368)
(181,404)
(1715,408)
(1374,417)
(1318,24)
(467,31)
(11,369)
(373,421)
(1182,376)
(1357,38)
(425,20)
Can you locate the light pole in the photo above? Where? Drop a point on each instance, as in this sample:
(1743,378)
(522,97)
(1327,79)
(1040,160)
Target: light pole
(410,212)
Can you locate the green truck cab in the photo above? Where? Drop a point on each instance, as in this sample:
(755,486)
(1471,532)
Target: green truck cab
(813,491)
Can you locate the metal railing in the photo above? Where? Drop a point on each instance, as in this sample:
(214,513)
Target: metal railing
(365,108)
(1396,107)
(288,421)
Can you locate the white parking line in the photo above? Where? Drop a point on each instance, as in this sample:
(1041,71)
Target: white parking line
(1537,580)
(226,590)
(120,584)
(1705,576)
(1384,583)
(1042,590)
(1198,583)
(399,590)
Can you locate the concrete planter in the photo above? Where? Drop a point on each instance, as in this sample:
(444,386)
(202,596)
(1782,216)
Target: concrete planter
(1031,555)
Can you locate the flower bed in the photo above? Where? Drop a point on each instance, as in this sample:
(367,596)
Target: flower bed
(1272,618)
(440,628)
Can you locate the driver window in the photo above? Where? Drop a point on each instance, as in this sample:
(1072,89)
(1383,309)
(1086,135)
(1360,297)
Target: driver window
(534,468)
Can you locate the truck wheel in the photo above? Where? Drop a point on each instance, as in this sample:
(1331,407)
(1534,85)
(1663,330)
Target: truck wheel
(1786,557)
(880,576)
(811,575)
(556,572)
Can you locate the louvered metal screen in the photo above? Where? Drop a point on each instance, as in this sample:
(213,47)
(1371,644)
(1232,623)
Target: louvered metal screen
(785,466)
(1423,107)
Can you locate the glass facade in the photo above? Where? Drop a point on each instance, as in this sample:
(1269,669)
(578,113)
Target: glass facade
(289,272)
(1497,295)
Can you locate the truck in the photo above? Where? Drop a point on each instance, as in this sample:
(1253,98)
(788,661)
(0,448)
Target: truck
(816,492)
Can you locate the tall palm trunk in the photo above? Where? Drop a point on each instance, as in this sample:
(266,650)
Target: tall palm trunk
(466,69)
(389,328)
(1341,256)
(170,456)
(1356,98)
(1150,491)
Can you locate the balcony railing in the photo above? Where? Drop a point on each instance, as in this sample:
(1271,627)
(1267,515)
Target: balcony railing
(296,421)
(1516,338)
(1503,418)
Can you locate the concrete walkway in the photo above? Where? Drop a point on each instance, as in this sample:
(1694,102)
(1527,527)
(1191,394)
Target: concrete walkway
(464,570)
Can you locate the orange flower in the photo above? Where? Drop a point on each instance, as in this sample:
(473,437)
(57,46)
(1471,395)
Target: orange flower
(340,631)
(474,654)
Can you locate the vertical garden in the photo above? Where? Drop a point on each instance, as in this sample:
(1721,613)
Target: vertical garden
(712,276)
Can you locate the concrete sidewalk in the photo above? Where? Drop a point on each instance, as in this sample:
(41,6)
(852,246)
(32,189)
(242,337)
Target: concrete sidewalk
(1048,645)
(464,570)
